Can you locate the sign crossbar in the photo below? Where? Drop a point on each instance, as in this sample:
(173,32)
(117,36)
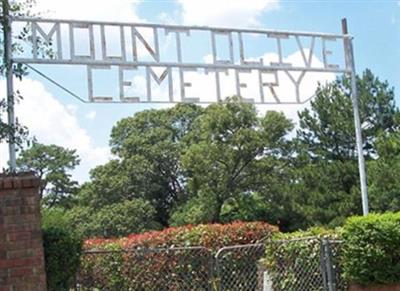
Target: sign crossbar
(132,41)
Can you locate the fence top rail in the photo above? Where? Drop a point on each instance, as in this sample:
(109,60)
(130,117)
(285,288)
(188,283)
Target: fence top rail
(236,247)
(335,241)
(172,249)
(242,246)
(308,238)
(144,250)
(184,27)
(299,239)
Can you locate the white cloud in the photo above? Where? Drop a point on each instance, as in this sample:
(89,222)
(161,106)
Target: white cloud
(225,12)
(72,109)
(94,10)
(53,123)
(117,10)
(168,18)
(91,115)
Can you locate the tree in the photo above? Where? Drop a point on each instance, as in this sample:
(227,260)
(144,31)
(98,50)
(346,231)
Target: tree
(194,164)
(232,153)
(148,146)
(327,178)
(384,174)
(52,165)
(327,130)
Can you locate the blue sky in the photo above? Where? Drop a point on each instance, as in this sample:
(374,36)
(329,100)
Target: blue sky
(55,117)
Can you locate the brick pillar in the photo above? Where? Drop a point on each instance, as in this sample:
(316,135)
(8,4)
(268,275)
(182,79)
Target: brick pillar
(21,246)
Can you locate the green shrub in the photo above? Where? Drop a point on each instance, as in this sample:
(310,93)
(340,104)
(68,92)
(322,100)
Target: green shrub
(371,253)
(315,232)
(54,217)
(62,250)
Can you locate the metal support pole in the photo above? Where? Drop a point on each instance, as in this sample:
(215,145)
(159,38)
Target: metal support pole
(327,257)
(357,122)
(8,65)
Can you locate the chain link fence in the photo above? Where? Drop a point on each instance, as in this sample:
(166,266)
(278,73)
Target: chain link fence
(295,265)
(307,264)
(146,269)
(236,267)
(304,264)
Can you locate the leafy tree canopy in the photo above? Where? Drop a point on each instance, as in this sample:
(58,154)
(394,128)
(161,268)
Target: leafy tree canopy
(232,153)
(149,146)
(118,219)
(52,164)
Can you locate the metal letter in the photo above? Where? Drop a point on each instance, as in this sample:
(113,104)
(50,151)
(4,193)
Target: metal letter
(214,47)
(186,84)
(155,53)
(178,40)
(270,85)
(217,80)
(72,27)
(326,52)
(296,83)
(239,84)
(167,72)
(307,61)
(90,83)
(243,61)
(47,37)
(104,44)
(278,37)
(123,83)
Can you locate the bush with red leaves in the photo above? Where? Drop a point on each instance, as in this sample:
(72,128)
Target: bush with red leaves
(137,262)
(211,236)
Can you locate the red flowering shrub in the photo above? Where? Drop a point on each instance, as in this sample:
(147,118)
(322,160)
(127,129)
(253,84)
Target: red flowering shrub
(211,236)
(141,262)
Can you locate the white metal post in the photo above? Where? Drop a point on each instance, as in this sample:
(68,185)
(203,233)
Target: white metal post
(357,122)
(9,76)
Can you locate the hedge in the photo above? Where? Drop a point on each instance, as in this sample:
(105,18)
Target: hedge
(116,268)
(62,251)
(211,236)
(371,252)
